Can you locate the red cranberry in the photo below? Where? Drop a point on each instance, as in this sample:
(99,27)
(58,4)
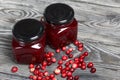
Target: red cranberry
(52,75)
(70,55)
(64,48)
(67,64)
(81,60)
(32,69)
(46,73)
(39,78)
(76,60)
(76,77)
(80,45)
(80,49)
(63,71)
(41,74)
(72,70)
(90,65)
(57,71)
(48,59)
(83,67)
(14,69)
(34,77)
(70,78)
(31,77)
(36,72)
(70,49)
(51,54)
(63,75)
(67,52)
(60,62)
(93,70)
(58,50)
(67,68)
(70,61)
(64,58)
(60,67)
(69,74)
(31,66)
(54,78)
(53,60)
(47,78)
(43,67)
(74,65)
(85,53)
(47,55)
(76,42)
(44,63)
(37,67)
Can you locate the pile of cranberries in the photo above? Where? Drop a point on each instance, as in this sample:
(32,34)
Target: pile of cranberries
(66,65)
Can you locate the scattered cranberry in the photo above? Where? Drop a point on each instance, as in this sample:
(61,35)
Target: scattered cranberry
(34,77)
(37,67)
(47,78)
(85,53)
(76,42)
(39,78)
(64,48)
(43,67)
(90,65)
(60,67)
(93,70)
(57,71)
(60,62)
(74,65)
(44,63)
(67,63)
(52,75)
(80,45)
(83,67)
(31,77)
(67,68)
(32,70)
(58,50)
(70,61)
(14,69)
(70,55)
(64,58)
(70,49)
(31,66)
(36,72)
(51,54)
(70,78)
(67,52)
(53,60)
(45,73)
(63,75)
(69,74)
(80,49)
(76,77)
(72,70)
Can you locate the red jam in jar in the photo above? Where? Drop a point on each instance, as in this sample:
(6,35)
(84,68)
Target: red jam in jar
(61,26)
(28,41)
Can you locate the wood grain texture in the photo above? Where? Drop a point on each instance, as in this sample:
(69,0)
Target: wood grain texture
(99,30)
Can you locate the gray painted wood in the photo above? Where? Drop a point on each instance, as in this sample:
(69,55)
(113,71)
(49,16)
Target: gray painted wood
(99,30)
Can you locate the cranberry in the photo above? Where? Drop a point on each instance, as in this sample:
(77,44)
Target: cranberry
(93,70)
(43,67)
(31,77)
(34,77)
(32,69)
(76,77)
(70,61)
(70,49)
(47,55)
(72,70)
(41,74)
(45,73)
(64,48)
(44,63)
(83,67)
(57,71)
(76,42)
(53,60)
(63,71)
(60,62)
(70,78)
(67,64)
(64,58)
(67,68)
(39,78)
(31,66)
(51,54)
(58,50)
(14,69)
(52,75)
(85,53)
(90,65)
(67,52)
(81,60)
(69,74)
(37,67)
(74,65)
(47,78)
(80,45)
(70,55)
(60,67)
(63,75)
(36,72)
(80,49)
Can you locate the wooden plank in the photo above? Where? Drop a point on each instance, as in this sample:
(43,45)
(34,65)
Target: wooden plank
(99,29)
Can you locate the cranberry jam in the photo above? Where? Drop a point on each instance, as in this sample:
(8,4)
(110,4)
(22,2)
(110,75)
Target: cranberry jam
(61,26)
(28,41)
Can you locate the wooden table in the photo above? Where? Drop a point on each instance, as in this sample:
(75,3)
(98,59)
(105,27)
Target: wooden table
(99,30)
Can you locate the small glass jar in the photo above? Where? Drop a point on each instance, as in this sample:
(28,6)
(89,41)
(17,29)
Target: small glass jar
(28,41)
(61,26)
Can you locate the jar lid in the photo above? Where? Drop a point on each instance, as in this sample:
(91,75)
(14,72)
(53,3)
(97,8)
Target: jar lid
(59,13)
(28,30)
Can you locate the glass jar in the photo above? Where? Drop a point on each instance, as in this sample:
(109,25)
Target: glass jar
(61,26)
(28,41)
